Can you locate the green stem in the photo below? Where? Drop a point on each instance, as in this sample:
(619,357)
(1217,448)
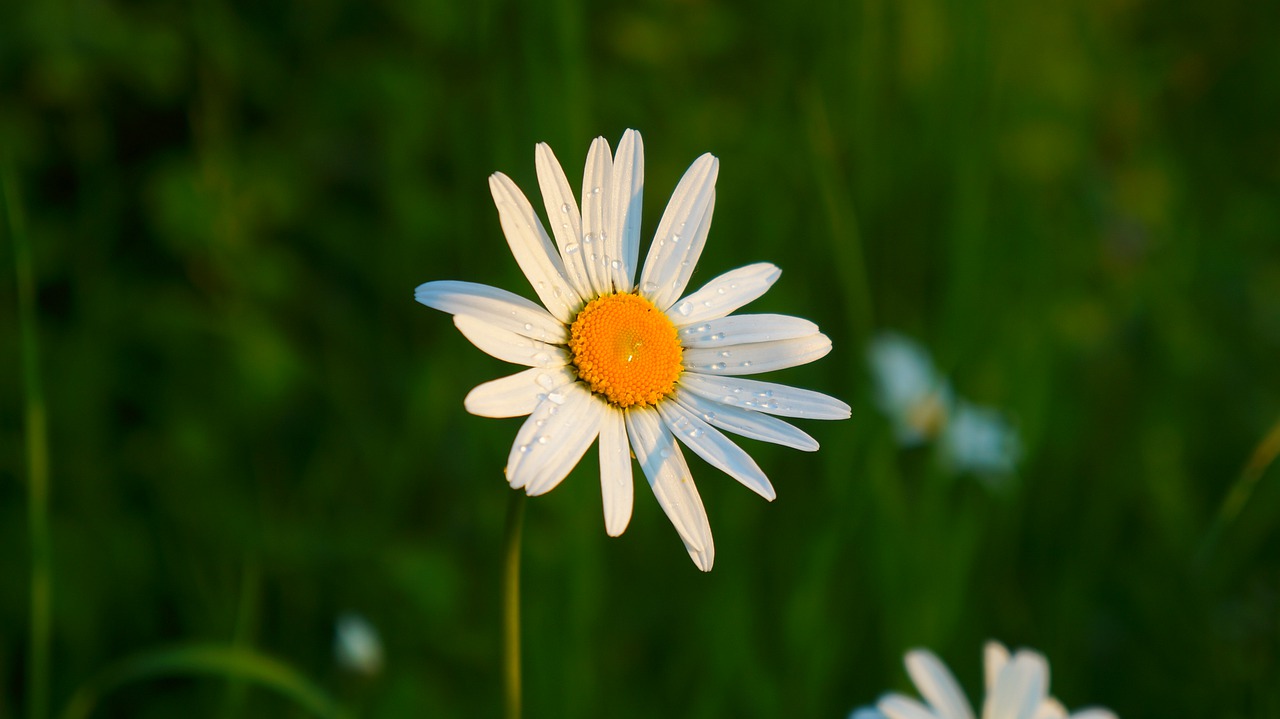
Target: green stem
(37,459)
(511,606)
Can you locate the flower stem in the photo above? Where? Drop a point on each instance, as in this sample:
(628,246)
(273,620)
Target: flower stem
(37,457)
(511,606)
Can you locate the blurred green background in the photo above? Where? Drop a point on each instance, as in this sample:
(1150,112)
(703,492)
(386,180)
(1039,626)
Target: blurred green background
(253,428)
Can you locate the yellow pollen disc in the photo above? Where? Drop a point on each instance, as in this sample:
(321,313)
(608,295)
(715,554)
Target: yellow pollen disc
(626,349)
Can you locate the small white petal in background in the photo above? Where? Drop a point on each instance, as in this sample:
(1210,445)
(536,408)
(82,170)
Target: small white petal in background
(866,713)
(356,645)
(908,388)
(923,408)
(979,440)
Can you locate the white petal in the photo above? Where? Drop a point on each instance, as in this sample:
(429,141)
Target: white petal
(770,397)
(744,329)
(718,450)
(664,465)
(758,357)
(867,713)
(744,422)
(937,685)
(903,372)
(596,177)
(562,213)
(509,346)
(518,394)
(615,473)
(980,440)
(533,250)
(622,214)
(681,235)
(1050,709)
(553,439)
(495,306)
(1020,688)
(724,294)
(995,656)
(897,706)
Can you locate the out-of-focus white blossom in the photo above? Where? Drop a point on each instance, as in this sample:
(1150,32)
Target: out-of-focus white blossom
(923,408)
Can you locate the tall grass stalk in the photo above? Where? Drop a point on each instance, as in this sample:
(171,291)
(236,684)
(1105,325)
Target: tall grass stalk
(511,607)
(36,425)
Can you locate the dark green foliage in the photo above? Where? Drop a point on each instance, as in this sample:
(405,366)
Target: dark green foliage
(253,427)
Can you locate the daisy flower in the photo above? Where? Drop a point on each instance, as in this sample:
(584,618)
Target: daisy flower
(1017,688)
(634,364)
(922,407)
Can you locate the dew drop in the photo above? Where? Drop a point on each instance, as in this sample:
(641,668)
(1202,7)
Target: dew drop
(719,290)
(685,308)
(616,264)
(706,303)
(542,439)
(528,327)
(695,433)
(746,363)
(725,353)
(544,381)
(675,237)
(649,287)
(595,190)
(556,398)
(524,449)
(717,365)
(588,238)
(717,336)
(541,358)
(729,399)
(766,394)
(564,207)
(571,248)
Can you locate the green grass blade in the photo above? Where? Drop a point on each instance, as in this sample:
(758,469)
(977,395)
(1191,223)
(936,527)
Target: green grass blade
(204,660)
(37,457)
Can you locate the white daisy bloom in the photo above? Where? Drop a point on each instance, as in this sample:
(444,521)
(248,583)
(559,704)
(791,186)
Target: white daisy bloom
(922,407)
(636,364)
(1017,687)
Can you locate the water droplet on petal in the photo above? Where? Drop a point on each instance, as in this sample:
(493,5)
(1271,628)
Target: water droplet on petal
(542,439)
(717,366)
(528,327)
(616,264)
(746,363)
(564,207)
(556,397)
(571,248)
(544,381)
(541,358)
(685,308)
(649,287)
(717,336)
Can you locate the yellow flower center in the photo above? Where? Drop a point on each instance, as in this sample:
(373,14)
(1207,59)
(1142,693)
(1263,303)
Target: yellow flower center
(626,349)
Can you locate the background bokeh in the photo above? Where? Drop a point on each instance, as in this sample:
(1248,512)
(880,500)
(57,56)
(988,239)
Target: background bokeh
(254,429)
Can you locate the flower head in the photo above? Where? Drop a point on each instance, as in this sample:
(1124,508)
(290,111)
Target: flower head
(633,364)
(1017,688)
(922,407)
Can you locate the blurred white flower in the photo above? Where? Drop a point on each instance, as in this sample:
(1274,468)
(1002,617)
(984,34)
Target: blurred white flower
(922,407)
(1017,688)
(356,645)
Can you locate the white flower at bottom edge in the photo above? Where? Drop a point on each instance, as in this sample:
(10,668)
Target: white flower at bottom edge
(1017,688)
(637,365)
